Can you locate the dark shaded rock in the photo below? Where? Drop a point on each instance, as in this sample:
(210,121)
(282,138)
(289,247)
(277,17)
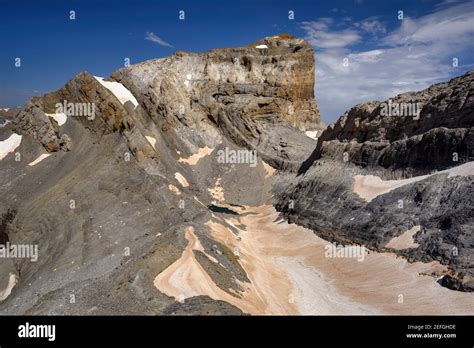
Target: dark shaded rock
(441,137)
(362,142)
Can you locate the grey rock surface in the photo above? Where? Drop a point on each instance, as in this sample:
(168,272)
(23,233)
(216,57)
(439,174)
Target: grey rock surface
(109,211)
(363,142)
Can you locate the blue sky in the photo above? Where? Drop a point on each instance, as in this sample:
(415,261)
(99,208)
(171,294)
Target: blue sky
(385,55)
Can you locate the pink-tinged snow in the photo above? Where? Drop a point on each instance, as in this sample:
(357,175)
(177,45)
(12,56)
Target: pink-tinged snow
(370,186)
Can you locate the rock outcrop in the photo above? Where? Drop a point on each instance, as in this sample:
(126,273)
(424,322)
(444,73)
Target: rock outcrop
(259,95)
(109,207)
(364,142)
(431,130)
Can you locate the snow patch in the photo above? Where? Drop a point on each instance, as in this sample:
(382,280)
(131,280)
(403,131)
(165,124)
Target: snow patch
(217,192)
(12,280)
(119,90)
(405,240)
(9,145)
(269,170)
(370,186)
(174,189)
(312,134)
(39,159)
(151,140)
(60,118)
(261,46)
(181,179)
(465,169)
(186,277)
(194,159)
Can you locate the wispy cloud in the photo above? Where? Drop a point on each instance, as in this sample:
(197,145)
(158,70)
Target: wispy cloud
(319,35)
(156,39)
(372,26)
(451,25)
(411,57)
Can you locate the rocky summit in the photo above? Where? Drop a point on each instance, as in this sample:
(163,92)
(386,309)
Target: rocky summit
(206,183)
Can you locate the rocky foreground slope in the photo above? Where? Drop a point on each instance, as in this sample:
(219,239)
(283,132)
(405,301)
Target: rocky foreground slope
(149,192)
(107,186)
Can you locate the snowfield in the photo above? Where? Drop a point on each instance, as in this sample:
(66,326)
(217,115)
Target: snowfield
(370,186)
(119,90)
(9,145)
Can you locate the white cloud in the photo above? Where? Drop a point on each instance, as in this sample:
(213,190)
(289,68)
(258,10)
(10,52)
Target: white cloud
(452,25)
(320,36)
(410,58)
(156,39)
(373,26)
(446,3)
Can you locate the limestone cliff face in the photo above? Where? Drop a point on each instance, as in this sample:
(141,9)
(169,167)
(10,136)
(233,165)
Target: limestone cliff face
(269,77)
(257,95)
